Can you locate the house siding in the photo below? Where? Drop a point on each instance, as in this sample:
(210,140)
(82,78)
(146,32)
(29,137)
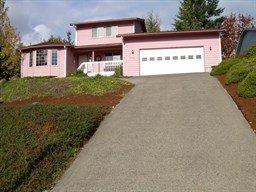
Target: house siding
(132,64)
(71,65)
(58,70)
(84,35)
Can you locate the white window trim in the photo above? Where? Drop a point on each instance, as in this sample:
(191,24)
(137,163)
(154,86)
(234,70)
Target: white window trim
(46,58)
(31,54)
(57,57)
(103,33)
(76,37)
(112,34)
(100,32)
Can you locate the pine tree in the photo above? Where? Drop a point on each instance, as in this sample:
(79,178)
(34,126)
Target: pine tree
(10,55)
(152,22)
(58,40)
(199,14)
(68,38)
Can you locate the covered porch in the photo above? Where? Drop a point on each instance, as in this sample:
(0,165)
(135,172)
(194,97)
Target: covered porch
(99,59)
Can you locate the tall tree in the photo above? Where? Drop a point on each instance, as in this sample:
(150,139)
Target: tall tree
(69,37)
(58,40)
(54,40)
(232,27)
(9,40)
(152,22)
(199,14)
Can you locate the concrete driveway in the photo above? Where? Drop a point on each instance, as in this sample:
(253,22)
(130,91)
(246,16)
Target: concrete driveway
(170,133)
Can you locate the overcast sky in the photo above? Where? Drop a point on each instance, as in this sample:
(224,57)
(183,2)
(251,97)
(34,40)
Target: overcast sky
(38,19)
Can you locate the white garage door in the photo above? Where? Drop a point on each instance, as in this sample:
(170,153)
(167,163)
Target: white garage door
(171,61)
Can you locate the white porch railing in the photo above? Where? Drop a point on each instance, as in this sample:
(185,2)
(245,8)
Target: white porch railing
(105,68)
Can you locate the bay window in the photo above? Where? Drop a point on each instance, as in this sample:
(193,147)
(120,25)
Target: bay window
(31,59)
(54,57)
(41,57)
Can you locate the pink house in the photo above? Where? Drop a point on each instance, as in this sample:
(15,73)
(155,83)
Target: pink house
(101,46)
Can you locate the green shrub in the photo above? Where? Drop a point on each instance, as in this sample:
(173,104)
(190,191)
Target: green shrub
(247,88)
(97,76)
(238,72)
(224,66)
(118,71)
(251,52)
(38,141)
(78,73)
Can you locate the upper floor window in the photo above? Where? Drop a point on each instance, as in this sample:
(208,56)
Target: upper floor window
(41,57)
(111,31)
(31,59)
(54,57)
(98,32)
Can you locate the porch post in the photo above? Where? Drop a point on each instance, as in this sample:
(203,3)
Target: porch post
(92,55)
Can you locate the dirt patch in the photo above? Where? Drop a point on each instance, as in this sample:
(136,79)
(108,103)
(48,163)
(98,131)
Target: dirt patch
(109,99)
(246,105)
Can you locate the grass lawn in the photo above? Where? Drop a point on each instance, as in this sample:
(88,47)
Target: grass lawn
(39,140)
(25,88)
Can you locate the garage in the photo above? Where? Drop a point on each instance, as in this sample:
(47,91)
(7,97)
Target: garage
(171,52)
(171,61)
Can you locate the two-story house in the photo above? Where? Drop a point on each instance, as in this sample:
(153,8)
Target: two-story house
(102,45)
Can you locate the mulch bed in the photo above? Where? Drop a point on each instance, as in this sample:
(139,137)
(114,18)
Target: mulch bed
(246,105)
(110,99)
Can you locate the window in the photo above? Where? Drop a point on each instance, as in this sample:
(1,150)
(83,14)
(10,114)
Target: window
(111,31)
(198,56)
(151,58)
(183,57)
(167,58)
(41,57)
(54,57)
(94,32)
(97,32)
(159,58)
(112,56)
(190,57)
(144,59)
(175,57)
(31,59)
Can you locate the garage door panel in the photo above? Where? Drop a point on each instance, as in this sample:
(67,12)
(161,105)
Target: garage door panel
(170,61)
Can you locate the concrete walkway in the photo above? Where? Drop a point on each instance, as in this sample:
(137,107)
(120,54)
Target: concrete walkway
(171,133)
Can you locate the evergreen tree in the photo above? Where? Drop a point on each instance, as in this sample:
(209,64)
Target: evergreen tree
(199,14)
(69,37)
(54,40)
(10,42)
(58,40)
(152,22)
